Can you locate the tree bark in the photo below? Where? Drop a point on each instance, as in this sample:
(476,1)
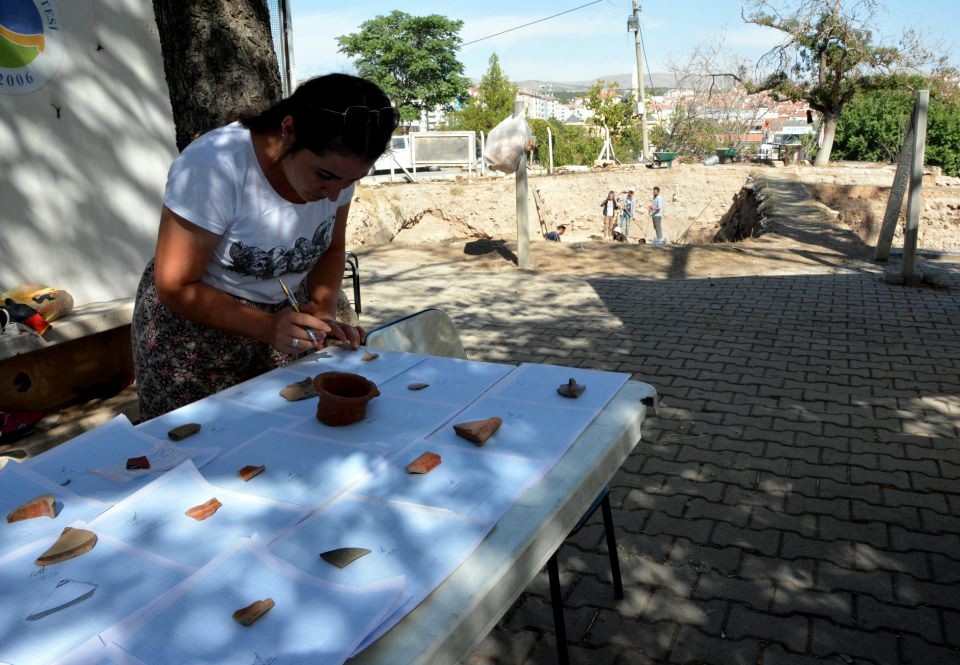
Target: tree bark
(829,131)
(218,59)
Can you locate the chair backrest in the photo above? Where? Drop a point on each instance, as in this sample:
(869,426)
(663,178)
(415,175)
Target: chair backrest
(430,332)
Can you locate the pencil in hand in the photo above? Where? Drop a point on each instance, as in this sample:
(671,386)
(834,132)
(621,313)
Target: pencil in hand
(296,308)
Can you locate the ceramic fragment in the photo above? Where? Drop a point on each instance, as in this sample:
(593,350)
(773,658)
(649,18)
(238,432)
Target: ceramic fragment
(417,386)
(299,390)
(183,431)
(478,431)
(343,557)
(138,463)
(41,506)
(424,463)
(250,472)
(204,510)
(368,356)
(71,543)
(571,389)
(247,615)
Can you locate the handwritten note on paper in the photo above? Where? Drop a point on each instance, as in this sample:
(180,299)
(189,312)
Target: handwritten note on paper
(538,384)
(448,380)
(71,463)
(424,546)
(311,620)
(65,612)
(19,485)
(391,422)
(155,517)
(224,423)
(387,364)
(300,469)
(469,482)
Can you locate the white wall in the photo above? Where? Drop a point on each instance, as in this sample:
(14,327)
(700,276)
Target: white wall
(80,193)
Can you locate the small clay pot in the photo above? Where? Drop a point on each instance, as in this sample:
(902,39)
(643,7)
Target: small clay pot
(342,397)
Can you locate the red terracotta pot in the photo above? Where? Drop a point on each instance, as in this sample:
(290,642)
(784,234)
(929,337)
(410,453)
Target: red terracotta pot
(342,397)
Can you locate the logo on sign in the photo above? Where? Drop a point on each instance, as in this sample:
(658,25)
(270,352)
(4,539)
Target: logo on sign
(31,45)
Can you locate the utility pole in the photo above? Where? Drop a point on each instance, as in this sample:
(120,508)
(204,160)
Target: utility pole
(633,25)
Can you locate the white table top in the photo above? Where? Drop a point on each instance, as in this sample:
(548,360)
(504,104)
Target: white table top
(460,612)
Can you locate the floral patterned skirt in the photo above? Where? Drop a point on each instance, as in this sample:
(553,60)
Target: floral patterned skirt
(178,361)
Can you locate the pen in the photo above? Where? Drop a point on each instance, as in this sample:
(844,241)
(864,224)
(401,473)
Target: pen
(296,308)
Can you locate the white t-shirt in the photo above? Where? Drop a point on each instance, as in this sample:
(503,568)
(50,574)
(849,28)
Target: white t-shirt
(217,184)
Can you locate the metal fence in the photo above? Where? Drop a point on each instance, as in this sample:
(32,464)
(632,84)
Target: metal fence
(281,30)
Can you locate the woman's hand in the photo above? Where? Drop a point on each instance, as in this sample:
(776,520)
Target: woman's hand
(291,332)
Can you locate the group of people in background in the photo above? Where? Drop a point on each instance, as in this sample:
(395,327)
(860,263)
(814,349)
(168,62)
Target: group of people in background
(618,229)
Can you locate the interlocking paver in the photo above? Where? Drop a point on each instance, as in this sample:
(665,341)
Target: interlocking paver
(797,499)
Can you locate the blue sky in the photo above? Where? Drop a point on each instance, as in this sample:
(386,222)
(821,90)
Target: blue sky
(586,43)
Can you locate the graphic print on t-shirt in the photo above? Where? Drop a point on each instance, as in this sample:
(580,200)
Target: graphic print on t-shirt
(266,264)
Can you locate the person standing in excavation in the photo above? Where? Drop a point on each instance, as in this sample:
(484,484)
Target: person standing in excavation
(656,215)
(609,208)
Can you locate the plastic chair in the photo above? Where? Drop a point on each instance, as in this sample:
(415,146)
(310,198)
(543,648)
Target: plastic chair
(351,269)
(432,332)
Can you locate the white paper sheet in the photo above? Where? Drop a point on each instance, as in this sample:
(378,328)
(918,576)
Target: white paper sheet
(313,621)
(469,482)
(153,518)
(529,430)
(538,384)
(71,463)
(422,545)
(449,380)
(387,365)
(300,469)
(224,424)
(391,423)
(124,579)
(19,485)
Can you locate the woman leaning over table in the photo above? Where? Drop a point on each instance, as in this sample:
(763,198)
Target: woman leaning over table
(246,205)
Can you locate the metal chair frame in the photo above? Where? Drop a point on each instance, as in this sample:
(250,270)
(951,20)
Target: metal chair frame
(352,270)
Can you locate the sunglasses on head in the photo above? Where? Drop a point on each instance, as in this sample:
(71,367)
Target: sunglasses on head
(360,118)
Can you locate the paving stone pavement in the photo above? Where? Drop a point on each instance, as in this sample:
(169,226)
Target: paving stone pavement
(797,498)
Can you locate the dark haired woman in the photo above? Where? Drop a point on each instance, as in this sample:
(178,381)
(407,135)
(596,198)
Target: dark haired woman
(247,205)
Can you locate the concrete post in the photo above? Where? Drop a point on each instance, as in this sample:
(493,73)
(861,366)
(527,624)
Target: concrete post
(916,182)
(523,213)
(641,95)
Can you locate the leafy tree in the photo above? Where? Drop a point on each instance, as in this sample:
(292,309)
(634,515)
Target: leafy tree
(492,103)
(718,105)
(218,59)
(609,108)
(828,55)
(872,126)
(412,58)
(572,144)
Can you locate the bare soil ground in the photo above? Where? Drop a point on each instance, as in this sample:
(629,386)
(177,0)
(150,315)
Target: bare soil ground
(474,221)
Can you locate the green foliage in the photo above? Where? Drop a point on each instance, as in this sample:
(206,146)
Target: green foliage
(412,58)
(609,108)
(572,144)
(493,102)
(873,125)
(689,135)
(829,56)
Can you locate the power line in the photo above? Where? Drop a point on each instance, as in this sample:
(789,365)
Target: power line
(531,23)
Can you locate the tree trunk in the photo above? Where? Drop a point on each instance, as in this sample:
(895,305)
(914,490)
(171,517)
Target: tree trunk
(219,61)
(829,131)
